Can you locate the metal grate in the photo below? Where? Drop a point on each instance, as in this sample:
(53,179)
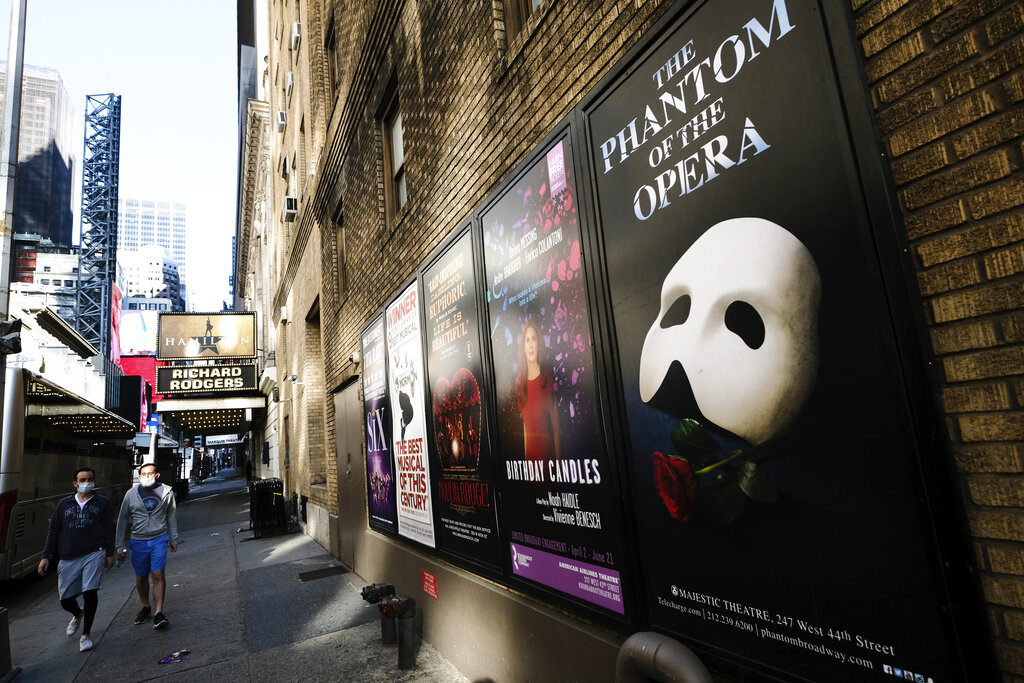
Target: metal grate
(323,573)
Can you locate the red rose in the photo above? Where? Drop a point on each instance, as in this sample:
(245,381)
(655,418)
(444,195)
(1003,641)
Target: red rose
(675,481)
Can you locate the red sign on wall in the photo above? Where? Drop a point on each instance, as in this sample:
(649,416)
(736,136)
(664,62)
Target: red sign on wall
(429,584)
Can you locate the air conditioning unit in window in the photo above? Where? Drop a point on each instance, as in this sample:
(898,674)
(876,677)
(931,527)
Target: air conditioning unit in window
(291,207)
(288,81)
(295,36)
(282,119)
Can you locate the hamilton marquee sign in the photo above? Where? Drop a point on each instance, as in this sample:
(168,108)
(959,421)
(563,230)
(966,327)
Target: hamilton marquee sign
(193,336)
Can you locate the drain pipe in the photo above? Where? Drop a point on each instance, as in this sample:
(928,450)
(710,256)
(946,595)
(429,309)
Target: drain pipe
(648,656)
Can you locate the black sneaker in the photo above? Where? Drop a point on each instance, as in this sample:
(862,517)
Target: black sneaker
(159,620)
(143,616)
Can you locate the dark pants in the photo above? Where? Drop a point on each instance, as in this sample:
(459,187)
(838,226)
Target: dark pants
(91,601)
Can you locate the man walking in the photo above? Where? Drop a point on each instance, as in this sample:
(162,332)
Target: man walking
(148,514)
(82,534)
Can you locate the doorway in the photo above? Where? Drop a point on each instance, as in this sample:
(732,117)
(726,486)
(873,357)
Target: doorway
(348,444)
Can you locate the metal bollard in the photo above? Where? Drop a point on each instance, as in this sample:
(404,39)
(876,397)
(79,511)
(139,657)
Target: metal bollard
(405,609)
(388,624)
(381,595)
(7,671)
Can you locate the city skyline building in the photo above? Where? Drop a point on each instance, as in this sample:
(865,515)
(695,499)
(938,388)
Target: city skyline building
(151,273)
(146,221)
(46,160)
(47,272)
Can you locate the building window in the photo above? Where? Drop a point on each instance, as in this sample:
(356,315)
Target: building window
(340,252)
(287,444)
(69,283)
(303,167)
(44,281)
(333,66)
(46,269)
(516,14)
(394,160)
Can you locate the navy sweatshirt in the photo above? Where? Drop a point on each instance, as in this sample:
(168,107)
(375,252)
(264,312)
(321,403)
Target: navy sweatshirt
(76,531)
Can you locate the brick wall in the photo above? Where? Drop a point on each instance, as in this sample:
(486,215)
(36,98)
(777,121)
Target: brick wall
(297,271)
(947,85)
(946,80)
(313,377)
(472,109)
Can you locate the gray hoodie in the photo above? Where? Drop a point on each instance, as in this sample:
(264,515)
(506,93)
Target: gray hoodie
(143,524)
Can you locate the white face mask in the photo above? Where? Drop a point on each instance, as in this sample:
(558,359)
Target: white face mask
(745,332)
(86,486)
(147,480)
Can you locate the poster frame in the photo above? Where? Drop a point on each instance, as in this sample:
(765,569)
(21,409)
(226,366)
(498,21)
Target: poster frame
(378,314)
(566,130)
(467,227)
(950,555)
(416,279)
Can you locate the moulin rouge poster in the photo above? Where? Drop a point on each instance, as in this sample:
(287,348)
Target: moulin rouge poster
(461,453)
(380,472)
(775,471)
(407,398)
(560,506)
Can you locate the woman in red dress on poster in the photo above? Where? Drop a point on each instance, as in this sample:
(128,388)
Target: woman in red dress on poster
(535,393)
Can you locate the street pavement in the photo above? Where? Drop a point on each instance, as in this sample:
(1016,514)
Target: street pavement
(235,602)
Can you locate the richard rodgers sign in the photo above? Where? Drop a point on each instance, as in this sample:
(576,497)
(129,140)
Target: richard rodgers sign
(205,378)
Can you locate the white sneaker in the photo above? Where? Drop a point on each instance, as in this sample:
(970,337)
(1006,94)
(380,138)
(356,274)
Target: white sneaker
(84,643)
(73,625)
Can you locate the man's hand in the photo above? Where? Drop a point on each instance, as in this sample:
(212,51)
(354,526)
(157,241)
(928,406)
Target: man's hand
(44,564)
(110,563)
(120,555)
(174,547)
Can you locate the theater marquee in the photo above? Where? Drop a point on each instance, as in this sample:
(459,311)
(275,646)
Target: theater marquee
(206,379)
(187,336)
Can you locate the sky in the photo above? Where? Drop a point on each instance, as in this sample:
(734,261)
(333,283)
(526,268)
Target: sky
(174,66)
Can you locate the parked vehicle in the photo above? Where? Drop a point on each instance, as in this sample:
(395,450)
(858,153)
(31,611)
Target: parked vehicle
(48,433)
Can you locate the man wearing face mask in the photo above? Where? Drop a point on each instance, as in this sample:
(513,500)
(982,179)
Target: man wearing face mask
(148,513)
(82,534)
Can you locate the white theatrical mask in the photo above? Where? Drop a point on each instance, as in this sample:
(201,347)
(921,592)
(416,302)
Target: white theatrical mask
(739,313)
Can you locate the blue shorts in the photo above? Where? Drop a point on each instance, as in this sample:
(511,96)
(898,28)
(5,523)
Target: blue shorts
(149,556)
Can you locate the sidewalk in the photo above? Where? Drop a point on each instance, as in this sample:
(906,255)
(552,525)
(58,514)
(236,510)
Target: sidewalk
(236,602)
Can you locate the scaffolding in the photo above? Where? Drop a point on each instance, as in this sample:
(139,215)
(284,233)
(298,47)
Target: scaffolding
(97,259)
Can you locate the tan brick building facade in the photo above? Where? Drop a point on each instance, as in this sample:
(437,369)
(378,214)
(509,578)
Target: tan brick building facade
(946,82)
(945,78)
